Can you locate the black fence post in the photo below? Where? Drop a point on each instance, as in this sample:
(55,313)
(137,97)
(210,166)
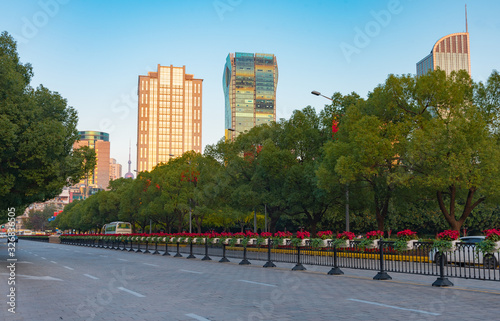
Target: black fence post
(335,269)
(191,256)
(156,249)
(166,249)
(269,263)
(441,280)
(206,257)
(124,245)
(298,266)
(131,249)
(138,246)
(118,245)
(147,247)
(178,254)
(224,258)
(382,274)
(244,261)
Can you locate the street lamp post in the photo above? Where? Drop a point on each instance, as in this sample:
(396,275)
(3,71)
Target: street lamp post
(317,93)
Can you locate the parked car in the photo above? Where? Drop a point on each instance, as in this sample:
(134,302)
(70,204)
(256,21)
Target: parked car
(465,253)
(12,239)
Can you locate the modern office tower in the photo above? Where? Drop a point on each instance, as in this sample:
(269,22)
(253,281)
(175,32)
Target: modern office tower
(99,141)
(249,83)
(169,116)
(115,169)
(450,53)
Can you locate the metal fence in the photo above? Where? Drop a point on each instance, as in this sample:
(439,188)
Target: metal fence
(462,262)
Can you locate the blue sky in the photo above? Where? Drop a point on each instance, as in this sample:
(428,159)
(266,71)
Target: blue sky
(92,52)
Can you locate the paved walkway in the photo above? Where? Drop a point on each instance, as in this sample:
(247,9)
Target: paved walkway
(63,282)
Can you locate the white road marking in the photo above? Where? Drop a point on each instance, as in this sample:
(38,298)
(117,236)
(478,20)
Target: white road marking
(103,255)
(393,307)
(24,262)
(191,271)
(257,283)
(150,264)
(196,317)
(36,254)
(34,277)
(67,267)
(123,260)
(132,292)
(91,276)
(43,258)
(53,262)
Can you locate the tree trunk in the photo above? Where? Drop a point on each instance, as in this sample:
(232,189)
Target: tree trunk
(450,215)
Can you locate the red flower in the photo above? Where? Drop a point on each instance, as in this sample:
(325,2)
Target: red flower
(346,235)
(372,235)
(449,235)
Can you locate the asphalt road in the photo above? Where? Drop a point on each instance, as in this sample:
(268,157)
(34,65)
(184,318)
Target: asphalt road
(64,282)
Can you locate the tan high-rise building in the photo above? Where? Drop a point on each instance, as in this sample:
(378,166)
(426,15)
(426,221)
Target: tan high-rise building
(169,116)
(99,141)
(115,169)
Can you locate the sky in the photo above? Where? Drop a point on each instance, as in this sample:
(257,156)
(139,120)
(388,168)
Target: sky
(92,52)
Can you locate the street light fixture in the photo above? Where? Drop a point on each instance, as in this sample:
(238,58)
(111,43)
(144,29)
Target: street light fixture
(317,93)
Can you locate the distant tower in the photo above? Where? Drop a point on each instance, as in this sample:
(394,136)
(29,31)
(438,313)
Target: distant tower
(129,173)
(450,53)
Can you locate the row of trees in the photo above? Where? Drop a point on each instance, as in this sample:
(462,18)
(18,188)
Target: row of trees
(37,133)
(419,152)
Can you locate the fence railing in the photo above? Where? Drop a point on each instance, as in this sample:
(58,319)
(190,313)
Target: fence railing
(462,262)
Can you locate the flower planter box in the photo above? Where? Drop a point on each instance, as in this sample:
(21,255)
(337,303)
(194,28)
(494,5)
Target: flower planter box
(226,241)
(264,242)
(326,243)
(305,242)
(215,240)
(374,244)
(285,242)
(497,246)
(252,242)
(410,245)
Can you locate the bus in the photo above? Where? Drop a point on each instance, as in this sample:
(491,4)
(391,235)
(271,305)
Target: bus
(117,228)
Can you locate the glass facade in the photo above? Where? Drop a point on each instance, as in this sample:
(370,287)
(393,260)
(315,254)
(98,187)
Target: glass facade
(450,53)
(249,83)
(169,116)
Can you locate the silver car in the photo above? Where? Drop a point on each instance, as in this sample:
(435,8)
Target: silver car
(465,253)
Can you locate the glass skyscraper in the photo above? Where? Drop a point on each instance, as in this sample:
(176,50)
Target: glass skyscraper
(249,83)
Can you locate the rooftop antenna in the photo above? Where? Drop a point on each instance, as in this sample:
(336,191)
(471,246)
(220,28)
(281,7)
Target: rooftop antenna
(466,26)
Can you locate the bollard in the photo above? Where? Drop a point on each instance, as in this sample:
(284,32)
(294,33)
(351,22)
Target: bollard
(156,249)
(442,281)
(269,263)
(206,257)
(298,266)
(191,256)
(147,248)
(224,258)
(382,274)
(166,249)
(178,254)
(335,269)
(244,261)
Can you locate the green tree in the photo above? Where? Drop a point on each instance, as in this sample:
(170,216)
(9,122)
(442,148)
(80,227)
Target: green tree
(455,152)
(38,220)
(38,132)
